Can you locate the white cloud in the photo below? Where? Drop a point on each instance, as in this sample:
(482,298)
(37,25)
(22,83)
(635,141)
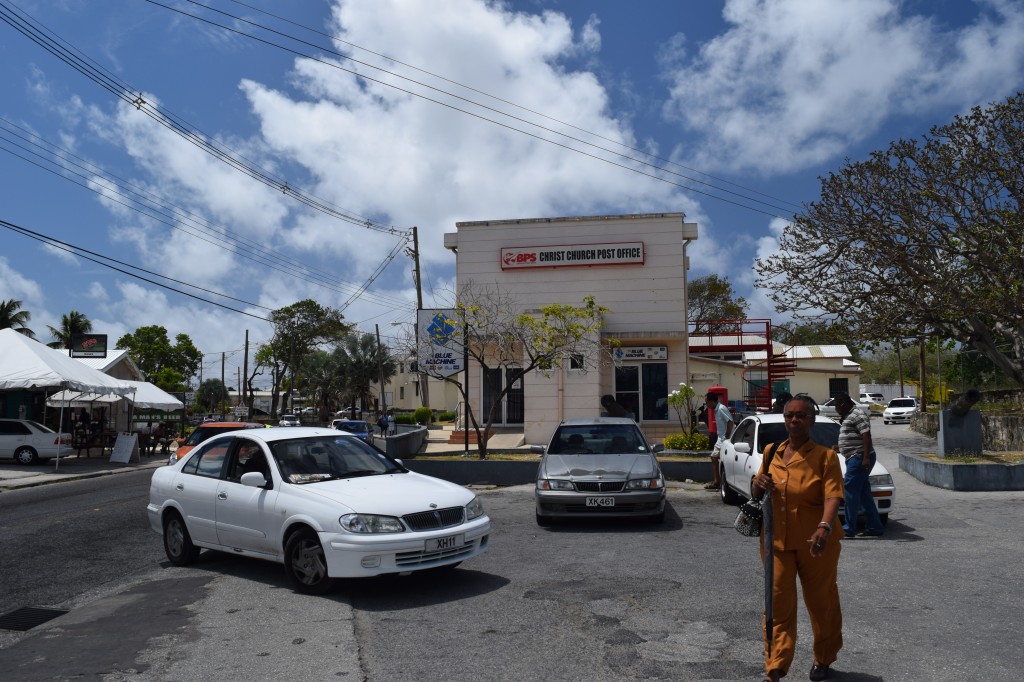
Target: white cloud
(793,83)
(14,285)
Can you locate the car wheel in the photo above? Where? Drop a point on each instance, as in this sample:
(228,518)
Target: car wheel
(729,495)
(305,563)
(884,422)
(26,455)
(544,520)
(177,542)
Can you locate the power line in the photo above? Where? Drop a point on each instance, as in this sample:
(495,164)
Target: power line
(482,106)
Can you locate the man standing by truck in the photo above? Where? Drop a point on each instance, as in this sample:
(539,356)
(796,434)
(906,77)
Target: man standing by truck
(723,425)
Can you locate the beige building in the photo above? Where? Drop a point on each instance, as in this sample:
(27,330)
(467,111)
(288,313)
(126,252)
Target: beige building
(633,265)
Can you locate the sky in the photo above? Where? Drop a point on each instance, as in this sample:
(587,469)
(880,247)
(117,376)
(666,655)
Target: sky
(253,154)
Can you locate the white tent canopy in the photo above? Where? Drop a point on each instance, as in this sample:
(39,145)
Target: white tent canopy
(25,363)
(147,396)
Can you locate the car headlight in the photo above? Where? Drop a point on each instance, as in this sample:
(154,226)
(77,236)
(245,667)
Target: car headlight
(644,484)
(371,523)
(554,484)
(885,479)
(474,509)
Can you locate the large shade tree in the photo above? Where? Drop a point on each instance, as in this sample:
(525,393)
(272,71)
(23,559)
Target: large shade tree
(71,323)
(712,298)
(923,238)
(13,317)
(166,364)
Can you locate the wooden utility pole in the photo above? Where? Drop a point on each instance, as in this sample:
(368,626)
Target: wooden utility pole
(380,370)
(247,400)
(424,379)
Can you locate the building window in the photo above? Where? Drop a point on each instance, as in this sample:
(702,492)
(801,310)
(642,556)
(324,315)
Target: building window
(401,392)
(416,388)
(576,362)
(837,386)
(643,390)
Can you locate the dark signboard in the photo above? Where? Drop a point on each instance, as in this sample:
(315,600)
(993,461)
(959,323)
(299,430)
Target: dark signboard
(88,345)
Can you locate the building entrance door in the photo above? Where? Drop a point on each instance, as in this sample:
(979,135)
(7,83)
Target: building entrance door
(510,411)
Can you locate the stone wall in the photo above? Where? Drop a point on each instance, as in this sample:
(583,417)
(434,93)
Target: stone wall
(999,433)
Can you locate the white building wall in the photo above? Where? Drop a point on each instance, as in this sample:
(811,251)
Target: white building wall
(646,302)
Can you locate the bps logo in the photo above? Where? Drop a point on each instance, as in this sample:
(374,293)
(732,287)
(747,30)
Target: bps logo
(511,258)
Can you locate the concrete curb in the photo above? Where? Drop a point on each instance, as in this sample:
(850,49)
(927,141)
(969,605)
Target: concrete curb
(982,476)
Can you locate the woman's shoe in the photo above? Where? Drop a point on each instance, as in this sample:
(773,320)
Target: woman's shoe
(819,672)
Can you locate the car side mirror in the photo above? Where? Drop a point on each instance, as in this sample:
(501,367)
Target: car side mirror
(742,448)
(660,447)
(537,449)
(253,479)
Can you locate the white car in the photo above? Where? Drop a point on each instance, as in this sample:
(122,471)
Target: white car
(741,458)
(828,409)
(27,441)
(872,398)
(321,502)
(900,410)
(289,420)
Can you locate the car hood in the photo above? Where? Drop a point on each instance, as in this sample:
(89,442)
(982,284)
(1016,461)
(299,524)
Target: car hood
(589,466)
(391,494)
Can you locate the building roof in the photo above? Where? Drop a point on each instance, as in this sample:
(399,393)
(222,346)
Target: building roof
(114,357)
(804,353)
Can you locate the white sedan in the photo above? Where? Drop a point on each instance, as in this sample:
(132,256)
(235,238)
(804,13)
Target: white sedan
(27,441)
(320,501)
(828,408)
(741,458)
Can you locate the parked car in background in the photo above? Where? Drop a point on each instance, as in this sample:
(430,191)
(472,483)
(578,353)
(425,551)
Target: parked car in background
(321,502)
(900,410)
(205,431)
(28,442)
(356,427)
(289,420)
(872,398)
(599,467)
(742,454)
(828,408)
(740,409)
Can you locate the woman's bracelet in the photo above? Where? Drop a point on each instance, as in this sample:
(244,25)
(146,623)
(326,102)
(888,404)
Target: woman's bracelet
(826,526)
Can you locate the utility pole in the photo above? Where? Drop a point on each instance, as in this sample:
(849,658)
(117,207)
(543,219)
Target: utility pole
(380,370)
(245,376)
(223,385)
(424,379)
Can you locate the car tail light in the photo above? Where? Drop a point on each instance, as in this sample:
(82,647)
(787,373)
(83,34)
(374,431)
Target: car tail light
(58,441)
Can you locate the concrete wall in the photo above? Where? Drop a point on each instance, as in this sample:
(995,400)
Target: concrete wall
(998,432)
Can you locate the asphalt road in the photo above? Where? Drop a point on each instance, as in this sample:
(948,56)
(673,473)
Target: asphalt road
(937,598)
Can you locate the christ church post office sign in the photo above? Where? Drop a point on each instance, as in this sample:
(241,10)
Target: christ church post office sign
(623,253)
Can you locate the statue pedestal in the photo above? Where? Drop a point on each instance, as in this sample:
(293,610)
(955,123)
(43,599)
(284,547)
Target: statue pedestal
(959,436)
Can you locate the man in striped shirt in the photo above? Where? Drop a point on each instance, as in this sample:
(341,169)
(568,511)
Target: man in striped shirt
(855,446)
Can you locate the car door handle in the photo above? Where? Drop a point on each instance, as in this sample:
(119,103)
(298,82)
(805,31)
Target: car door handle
(222,495)
(179,487)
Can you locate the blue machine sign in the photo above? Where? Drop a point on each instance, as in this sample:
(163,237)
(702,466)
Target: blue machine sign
(440,343)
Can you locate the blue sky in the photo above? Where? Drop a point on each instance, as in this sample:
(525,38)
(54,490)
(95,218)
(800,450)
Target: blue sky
(756,98)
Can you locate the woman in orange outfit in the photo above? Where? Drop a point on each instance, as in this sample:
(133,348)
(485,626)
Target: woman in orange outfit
(807,489)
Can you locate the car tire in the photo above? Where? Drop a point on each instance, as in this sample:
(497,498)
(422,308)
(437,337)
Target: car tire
(305,563)
(729,496)
(177,541)
(544,520)
(26,455)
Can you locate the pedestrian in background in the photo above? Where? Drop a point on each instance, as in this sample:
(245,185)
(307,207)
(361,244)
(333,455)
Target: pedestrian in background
(391,422)
(856,448)
(723,425)
(382,424)
(807,489)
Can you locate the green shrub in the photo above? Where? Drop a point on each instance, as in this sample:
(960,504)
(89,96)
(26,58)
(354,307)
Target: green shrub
(446,416)
(687,441)
(405,418)
(423,415)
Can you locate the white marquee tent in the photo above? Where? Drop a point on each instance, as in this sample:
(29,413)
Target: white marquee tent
(28,364)
(147,396)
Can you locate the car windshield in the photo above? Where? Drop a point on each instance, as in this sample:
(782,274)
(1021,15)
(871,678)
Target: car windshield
(902,402)
(597,438)
(353,426)
(310,460)
(822,433)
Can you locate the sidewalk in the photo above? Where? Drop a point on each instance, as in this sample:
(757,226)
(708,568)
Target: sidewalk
(72,467)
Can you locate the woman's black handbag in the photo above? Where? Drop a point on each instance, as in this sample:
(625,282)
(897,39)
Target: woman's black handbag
(748,520)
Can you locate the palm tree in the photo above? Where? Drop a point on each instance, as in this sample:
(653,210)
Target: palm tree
(70,324)
(358,355)
(11,316)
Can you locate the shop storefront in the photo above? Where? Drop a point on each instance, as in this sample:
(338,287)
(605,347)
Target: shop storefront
(634,266)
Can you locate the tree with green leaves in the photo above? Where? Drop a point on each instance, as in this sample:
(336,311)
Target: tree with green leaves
(357,357)
(13,317)
(711,298)
(495,332)
(70,324)
(299,329)
(921,239)
(212,396)
(153,352)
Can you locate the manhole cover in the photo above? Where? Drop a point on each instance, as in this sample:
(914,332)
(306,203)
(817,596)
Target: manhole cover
(28,617)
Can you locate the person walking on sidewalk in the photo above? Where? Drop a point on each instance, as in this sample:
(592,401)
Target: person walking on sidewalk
(856,447)
(724,426)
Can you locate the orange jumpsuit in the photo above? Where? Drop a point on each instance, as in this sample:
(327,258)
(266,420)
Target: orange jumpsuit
(802,485)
